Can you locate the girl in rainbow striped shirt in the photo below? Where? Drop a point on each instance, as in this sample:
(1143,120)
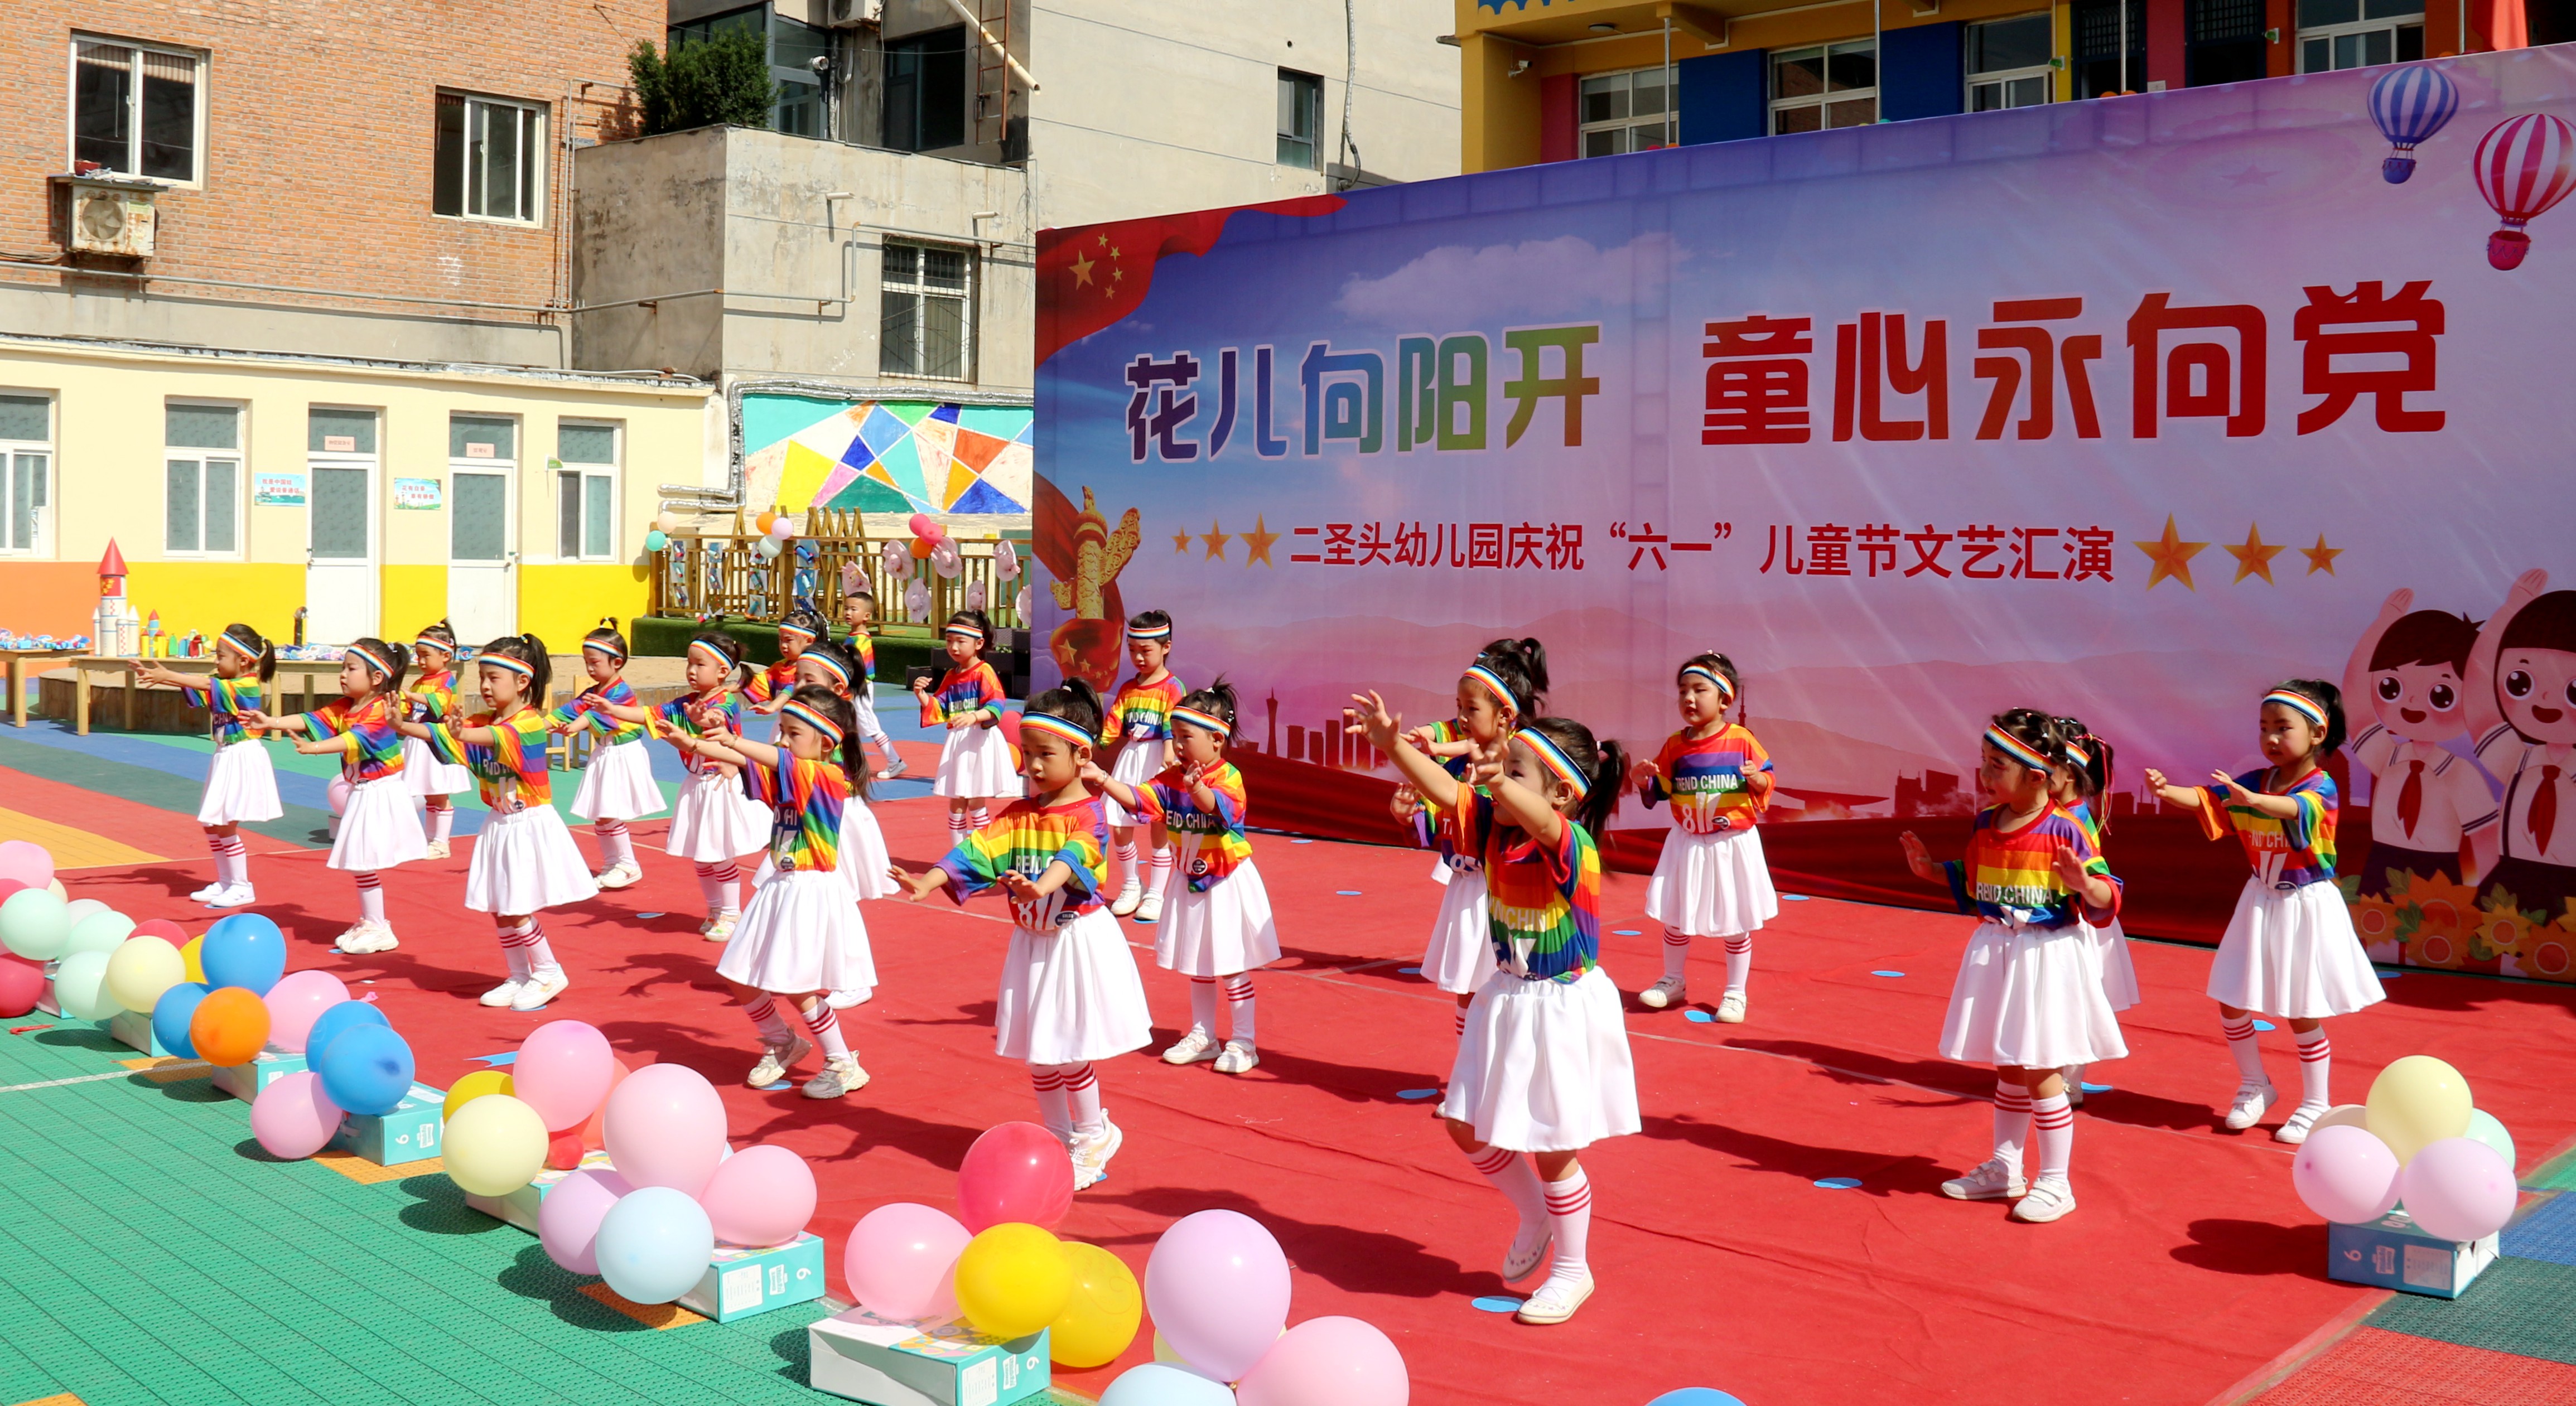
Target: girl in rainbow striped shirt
(714,824)
(2028,997)
(2080,784)
(379,829)
(975,762)
(828,664)
(1138,737)
(432,696)
(1711,880)
(1070,994)
(240,786)
(617,785)
(1544,1065)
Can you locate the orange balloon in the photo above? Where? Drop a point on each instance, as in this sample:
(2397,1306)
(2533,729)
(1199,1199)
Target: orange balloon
(920,549)
(230,1027)
(765,521)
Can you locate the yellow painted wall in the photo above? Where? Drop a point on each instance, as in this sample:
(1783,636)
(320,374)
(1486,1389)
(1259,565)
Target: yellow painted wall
(559,604)
(412,598)
(207,596)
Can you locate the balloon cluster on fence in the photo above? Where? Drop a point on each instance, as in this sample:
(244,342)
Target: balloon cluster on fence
(2419,1142)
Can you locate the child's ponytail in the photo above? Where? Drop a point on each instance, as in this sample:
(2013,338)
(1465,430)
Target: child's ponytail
(1522,664)
(607,639)
(1604,766)
(1217,698)
(257,646)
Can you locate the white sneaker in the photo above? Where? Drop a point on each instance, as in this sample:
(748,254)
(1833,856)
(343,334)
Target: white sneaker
(1150,908)
(1991,1180)
(237,896)
(1556,1300)
(705,923)
(1525,1256)
(1730,1008)
(2302,1118)
(620,876)
(776,1060)
(2251,1100)
(839,1076)
(1197,1047)
(849,996)
(369,937)
(539,989)
(2049,1198)
(208,892)
(720,928)
(2073,1074)
(437,850)
(504,993)
(1667,992)
(892,769)
(1239,1057)
(1091,1155)
(1127,899)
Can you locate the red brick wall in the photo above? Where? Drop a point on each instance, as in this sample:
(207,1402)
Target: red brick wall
(319,135)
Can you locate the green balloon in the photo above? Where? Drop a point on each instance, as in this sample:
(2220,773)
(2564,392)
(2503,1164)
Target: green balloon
(80,985)
(655,541)
(2484,1128)
(34,923)
(99,932)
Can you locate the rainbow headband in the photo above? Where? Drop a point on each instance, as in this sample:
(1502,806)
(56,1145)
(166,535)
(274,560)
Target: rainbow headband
(1050,723)
(442,646)
(604,647)
(713,654)
(814,720)
(373,660)
(503,661)
(236,646)
(1493,681)
(2298,703)
(1553,757)
(1725,690)
(1154,633)
(1209,721)
(2016,749)
(2078,755)
(798,631)
(828,662)
(957,627)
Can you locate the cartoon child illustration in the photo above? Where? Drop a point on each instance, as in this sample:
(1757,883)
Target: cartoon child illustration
(2410,669)
(2522,706)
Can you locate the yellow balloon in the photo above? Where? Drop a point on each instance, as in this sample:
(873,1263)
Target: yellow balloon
(141,968)
(1013,1280)
(2418,1100)
(495,1145)
(474,1086)
(1101,1316)
(196,970)
(1165,1352)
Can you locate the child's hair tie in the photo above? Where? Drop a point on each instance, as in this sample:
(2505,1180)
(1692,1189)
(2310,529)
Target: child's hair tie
(1553,757)
(2017,749)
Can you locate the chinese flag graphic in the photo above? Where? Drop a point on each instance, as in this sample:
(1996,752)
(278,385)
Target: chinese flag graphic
(1091,276)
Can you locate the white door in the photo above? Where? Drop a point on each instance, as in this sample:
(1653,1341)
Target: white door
(340,568)
(482,584)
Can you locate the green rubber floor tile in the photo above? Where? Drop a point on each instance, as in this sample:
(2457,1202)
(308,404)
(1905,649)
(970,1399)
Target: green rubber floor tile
(2518,1306)
(2559,1175)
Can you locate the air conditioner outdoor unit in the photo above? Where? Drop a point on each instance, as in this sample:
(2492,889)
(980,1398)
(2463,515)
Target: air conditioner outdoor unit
(109,217)
(851,14)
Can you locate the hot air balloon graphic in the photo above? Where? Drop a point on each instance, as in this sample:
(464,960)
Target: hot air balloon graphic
(2523,166)
(2410,104)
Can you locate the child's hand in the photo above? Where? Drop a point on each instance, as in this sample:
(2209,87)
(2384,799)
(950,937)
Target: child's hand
(1091,773)
(255,718)
(1404,803)
(1017,885)
(916,887)
(1421,739)
(1640,771)
(962,720)
(2227,783)
(1917,858)
(1485,771)
(1193,775)
(2155,779)
(2069,871)
(1371,719)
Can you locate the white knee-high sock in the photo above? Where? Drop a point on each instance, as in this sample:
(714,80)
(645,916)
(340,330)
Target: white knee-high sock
(514,948)
(825,1022)
(1203,1005)
(371,897)
(442,818)
(232,859)
(1569,1211)
(2316,1063)
(1513,1176)
(541,953)
(765,1018)
(215,847)
(2240,1043)
(2052,1124)
(1238,1007)
(1082,1094)
(980,817)
(1462,1022)
(1162,878)
(2012,1122)
(709,889)
(1676,954)
(1739,961)
(616,846)
(729,889)
(1053,1109)
(1127,861)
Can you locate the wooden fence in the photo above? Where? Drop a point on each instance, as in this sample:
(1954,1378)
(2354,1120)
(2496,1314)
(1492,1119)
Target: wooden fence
(727,574)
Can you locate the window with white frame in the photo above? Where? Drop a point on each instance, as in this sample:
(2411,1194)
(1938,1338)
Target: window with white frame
(2008,62)
(26,469)
(1823,86)
(202,480)
(482,450)
(490,162)
(928,320)
(2359,33)
(1301,108)
(1625,112)
(137,110)
(585,491)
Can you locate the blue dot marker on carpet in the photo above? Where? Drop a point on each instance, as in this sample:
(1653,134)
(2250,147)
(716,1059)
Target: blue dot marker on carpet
(1347,893)
(2093,1088)
(1417,1093)
(1410,971)
(1795,897)
(1496,1303)
(2386,975)
(773,1088)
(1301,842)
(1698,1017)
(2265,1025)
(1837,1183)
(496,1061)
(648,915)
(1886,973)
(1626,932)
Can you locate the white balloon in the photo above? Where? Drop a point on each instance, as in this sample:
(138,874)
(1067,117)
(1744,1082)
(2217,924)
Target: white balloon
(1006,561)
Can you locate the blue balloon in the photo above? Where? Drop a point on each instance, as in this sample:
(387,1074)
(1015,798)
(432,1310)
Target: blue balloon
(171,1014)
(336,1018)
(244,950)
(367,1069)
(1164,1384)
(654,1244)
(1691,1396)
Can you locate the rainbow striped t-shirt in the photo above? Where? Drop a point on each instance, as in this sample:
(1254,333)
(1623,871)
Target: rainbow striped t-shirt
(510,770)
(374,750)
(1709,779)
(961,693)
(775,681)
(1142,712)
(226,700)
(436,690)
(1210,844)
(806,800)
(681,715)
(864,647)
(1542,903)
(1026,838)
(2009,875)
(582,711)
(2286,854)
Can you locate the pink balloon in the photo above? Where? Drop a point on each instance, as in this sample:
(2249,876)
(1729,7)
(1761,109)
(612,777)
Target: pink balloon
(27,862)
(1327,1362)
(568,1219)
(1217,1285)
(296,1001)
(665,1127)
(293,1118)
(1015,1172)
(563,1070)
(921,526)
(760,1196)
(2345,1174)
(2459,1189)
(901,1261)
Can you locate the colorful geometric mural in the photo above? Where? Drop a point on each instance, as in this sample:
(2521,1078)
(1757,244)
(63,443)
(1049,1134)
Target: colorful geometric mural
(886,456)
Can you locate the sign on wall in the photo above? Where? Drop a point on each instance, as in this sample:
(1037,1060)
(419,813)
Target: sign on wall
(277,490)
(419,494)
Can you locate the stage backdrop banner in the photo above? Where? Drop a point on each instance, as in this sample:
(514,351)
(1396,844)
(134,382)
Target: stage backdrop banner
(2127,410)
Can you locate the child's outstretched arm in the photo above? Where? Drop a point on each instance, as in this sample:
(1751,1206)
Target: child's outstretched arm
(2188,797)
(1919,859)
(2277,807)
(917,887)
(1525,808)
(1368,717)
(1117,790)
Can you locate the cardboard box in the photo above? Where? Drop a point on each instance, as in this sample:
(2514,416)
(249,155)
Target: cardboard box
(865,1358)
(244,1081)
(407,1134)
(741,1281)
(133,1029)
(520,1207)
(2391,1253)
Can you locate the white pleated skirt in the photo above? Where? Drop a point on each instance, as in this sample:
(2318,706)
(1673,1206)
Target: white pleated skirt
(1139,761)
(1712,885)
(1544,1065)
(715,822)
(864,859)
(2031,997)
(618,784)
(1071,995)
(800,933)
(241,785)
(2292,953)
(1460,955)
(2119,974)
(1220,932)
(976,761)
(526,862)
(379,827)
(426,775)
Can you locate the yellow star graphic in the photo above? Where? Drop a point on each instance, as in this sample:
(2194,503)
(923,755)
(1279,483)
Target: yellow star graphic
(1104,241)
(1118,275)
(1256,544)
(2321,557)
(1216,537)
(2171,555)
(1081,271)
(1115,252)
(2254,558)
(1180,541)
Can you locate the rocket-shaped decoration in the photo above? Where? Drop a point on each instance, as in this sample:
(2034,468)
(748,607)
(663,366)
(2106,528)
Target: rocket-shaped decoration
(111,572)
